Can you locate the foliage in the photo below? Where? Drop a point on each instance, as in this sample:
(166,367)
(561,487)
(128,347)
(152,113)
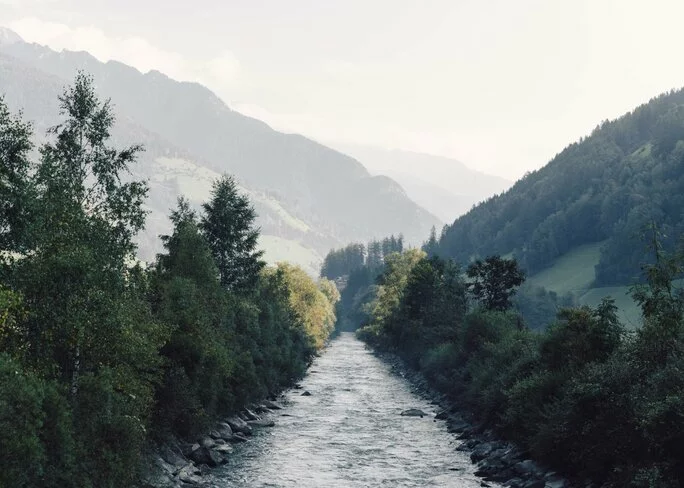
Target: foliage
(538,306)
(494,281)
(343,262)
(606,186)
(228,226)
(581,395)
(97,353)
(15,144)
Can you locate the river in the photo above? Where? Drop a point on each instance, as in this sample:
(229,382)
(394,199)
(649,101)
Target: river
(349,433)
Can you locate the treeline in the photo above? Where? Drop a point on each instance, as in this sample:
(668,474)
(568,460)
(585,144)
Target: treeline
(99,355)
(605,187)
(585,396)
(343,262)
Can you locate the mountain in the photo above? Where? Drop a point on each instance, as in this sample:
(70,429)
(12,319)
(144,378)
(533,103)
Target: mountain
(446,187)
(309,197)
(8,37)
(581,222)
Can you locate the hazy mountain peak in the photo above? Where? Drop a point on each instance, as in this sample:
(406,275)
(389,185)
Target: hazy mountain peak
(8,36)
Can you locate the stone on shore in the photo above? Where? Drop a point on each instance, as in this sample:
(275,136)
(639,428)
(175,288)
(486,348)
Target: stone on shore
(224,430)
(205,455)
(207,442)
(271,405)
(237,438)
(261,423)
(239,425)
(190,475)
(249,415)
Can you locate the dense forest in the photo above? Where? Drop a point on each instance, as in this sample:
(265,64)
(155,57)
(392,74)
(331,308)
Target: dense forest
(584,396)
(101,355)
(357,267)
(606,187)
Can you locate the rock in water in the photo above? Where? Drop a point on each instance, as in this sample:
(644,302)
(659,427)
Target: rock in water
(443,415)
(224,449)
(238,437)
(272,405)
(249,415)
(189,475)
(306,393)
(207,442)
(239,425)
(225,431)
(261,423)
(413,412)
(207,456)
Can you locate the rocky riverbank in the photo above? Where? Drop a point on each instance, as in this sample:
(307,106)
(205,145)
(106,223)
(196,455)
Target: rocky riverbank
(496,460)
(179,464)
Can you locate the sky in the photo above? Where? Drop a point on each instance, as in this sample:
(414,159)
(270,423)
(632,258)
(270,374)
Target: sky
(497,84)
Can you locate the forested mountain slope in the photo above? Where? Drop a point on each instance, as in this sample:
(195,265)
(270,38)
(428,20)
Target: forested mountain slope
(607,187)
(308,197)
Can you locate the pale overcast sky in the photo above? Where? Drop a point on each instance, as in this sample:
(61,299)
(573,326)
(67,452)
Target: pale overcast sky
(501,85)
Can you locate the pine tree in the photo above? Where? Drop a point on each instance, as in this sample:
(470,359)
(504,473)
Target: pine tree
(228,226)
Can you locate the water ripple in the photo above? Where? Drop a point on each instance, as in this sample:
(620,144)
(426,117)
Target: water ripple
(349,433)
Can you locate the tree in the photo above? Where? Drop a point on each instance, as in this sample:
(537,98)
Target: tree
(228,226)
(431,247)
(87,325)
(495,281)
(79,178)
(15,143)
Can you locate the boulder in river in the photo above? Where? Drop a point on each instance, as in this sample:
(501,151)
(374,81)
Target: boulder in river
(272,405)
(443,415)
(239,425)
(207,442)
(261,423)
(249,415)
(224,449)
(190,475)
(207,456)
(413,412)
(306,393)
(237,438)
(224,430)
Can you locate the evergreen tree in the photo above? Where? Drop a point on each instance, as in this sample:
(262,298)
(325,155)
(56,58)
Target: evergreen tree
(228,226)
(15,143)
(431,247)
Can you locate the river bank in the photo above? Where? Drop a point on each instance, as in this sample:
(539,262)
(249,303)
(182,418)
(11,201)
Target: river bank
(347,431)
(176,463)
(496,460)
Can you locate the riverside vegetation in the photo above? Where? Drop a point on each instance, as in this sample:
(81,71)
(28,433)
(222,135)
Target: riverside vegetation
(101,356)
(585,396)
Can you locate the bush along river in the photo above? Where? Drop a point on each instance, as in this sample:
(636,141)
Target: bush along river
(353,421)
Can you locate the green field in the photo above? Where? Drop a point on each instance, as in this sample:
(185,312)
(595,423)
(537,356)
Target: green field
(571,273)
(574,273)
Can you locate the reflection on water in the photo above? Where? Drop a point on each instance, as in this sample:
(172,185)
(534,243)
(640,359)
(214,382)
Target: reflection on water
(349,433)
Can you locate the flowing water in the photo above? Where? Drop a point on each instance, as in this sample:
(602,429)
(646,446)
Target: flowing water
(349,433)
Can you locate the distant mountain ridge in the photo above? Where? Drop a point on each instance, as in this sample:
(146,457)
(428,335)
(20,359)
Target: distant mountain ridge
(446,187)
(309,197)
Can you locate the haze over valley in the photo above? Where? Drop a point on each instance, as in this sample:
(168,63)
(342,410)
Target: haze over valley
(341,244)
